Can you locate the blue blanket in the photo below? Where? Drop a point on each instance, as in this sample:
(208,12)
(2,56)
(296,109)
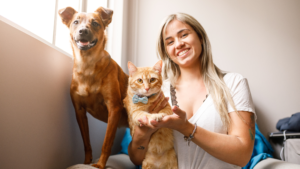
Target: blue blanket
(262,149)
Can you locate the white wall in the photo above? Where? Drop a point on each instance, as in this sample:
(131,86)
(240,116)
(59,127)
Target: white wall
(258,39)
(38,126)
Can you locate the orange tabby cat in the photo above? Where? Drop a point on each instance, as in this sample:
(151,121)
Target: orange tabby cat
(143,89)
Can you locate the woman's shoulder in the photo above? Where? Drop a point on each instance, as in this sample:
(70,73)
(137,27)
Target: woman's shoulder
(233,79)
(231,76)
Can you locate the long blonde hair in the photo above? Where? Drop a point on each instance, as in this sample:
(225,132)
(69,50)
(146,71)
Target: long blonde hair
(212,75)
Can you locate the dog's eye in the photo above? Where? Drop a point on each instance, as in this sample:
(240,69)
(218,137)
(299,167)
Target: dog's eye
(75,22)
(139,81)
(152,80)
(95,24)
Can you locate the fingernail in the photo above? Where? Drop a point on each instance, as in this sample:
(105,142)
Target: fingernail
(175,108)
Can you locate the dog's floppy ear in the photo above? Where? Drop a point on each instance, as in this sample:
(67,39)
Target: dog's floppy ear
(66,15)
(132,68)
(106,15)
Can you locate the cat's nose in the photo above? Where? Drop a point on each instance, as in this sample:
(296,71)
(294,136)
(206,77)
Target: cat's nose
(147,89)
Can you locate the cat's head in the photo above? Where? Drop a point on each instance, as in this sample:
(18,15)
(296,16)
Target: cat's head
(145,81)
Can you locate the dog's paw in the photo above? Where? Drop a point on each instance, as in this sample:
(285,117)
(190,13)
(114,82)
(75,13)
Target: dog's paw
(156,117)
(88,158)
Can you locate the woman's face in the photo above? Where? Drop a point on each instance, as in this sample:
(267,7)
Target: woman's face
(182,43)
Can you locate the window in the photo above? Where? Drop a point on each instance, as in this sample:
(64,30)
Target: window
(40,17)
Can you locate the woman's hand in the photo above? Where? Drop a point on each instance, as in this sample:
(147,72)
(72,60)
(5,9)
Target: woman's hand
(155,108)
(145,130)
(177,121)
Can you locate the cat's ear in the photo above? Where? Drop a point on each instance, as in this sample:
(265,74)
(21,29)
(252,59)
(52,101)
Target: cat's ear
(158,66)
(132,68)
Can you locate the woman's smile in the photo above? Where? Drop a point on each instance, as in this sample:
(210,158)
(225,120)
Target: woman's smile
(182,53)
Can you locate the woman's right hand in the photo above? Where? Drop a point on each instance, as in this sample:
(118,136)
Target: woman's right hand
(145,130)
(155,107)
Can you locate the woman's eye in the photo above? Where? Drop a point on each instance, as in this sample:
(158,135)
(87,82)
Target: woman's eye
(140,81)
(75,22)
(169,43)
(152,80)
(95,24)
(184,35)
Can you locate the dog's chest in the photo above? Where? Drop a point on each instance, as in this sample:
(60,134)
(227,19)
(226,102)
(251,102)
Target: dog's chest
(85,78)
(86,89)
(86,83)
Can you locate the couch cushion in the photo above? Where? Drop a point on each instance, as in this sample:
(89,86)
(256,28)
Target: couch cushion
(118,161)
(271,163)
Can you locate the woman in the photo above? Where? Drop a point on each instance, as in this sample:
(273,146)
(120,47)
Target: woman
(214,116)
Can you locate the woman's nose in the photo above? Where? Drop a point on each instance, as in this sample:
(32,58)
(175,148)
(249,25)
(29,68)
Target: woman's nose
(179,44)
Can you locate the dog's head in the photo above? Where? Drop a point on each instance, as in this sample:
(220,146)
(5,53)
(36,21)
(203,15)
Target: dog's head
(86,29)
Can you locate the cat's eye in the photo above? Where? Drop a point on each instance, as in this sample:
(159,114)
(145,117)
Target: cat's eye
(139,81)
(152,80)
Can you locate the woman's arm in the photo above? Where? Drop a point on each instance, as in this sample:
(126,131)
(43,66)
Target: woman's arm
(235,147)
(138,147)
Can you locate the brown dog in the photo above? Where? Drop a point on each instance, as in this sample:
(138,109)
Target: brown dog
(99,84)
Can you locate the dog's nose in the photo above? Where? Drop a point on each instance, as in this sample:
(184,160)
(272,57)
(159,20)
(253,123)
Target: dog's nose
(83,31)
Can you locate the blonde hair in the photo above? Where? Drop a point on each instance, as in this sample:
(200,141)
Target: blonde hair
(212,75)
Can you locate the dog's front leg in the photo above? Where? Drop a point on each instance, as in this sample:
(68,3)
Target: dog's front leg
(114,115)
(84,129)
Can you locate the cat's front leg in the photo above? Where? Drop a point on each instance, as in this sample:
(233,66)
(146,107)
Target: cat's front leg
(162,113)
(139,115)
(157,116)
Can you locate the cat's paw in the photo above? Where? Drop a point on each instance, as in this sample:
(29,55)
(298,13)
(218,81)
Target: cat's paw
(156,117)
(137,123)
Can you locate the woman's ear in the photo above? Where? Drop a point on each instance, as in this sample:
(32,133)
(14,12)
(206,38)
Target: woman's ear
(158,66)
(132,68)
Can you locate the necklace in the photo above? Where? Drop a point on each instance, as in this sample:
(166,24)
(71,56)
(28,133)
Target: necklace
(174,98)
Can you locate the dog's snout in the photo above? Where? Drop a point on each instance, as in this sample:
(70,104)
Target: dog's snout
(83,31)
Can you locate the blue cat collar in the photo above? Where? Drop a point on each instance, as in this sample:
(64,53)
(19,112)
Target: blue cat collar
(143,99)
